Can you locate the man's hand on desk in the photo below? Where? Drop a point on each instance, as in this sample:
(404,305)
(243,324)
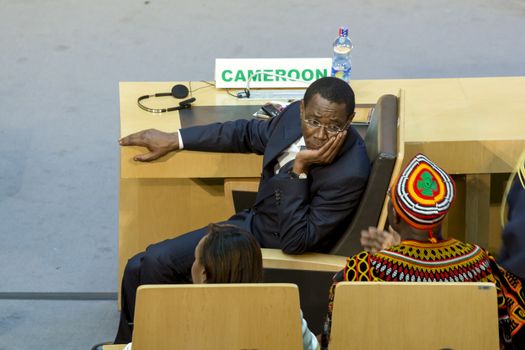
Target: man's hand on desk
(158,143)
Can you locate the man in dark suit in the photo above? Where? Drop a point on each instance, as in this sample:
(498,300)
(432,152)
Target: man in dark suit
(315,169)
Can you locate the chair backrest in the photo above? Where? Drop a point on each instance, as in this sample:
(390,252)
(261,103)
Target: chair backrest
(396,315)
(217,316)
(240,193)
(382,147)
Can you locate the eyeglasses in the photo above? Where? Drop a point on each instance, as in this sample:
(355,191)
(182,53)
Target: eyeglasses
(331,129)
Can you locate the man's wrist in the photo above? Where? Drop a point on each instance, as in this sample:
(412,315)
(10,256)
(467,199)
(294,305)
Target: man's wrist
(299,167)
(174,143)
(294,175)
(298,171)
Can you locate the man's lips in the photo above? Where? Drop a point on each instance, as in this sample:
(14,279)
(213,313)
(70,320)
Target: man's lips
(314,146)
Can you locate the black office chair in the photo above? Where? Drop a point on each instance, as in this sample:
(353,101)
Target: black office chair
(381,142)
(381,146)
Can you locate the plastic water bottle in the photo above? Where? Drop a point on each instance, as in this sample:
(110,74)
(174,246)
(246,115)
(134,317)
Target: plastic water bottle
(341,62)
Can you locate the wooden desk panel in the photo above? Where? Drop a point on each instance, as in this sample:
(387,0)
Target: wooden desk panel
(189,164)
(152,210)
(467,125)
(182,191)
(471,126)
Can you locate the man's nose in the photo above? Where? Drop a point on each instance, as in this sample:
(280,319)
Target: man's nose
(321,133)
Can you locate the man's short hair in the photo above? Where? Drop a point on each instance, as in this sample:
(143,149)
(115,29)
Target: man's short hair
(334,90)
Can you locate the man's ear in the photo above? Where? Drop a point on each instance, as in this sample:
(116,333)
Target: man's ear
(301,109)
(351,118)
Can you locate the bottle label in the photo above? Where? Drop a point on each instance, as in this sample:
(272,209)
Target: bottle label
(343,74)
(343,50)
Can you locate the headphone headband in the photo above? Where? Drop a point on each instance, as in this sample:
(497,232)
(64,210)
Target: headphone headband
(178,91)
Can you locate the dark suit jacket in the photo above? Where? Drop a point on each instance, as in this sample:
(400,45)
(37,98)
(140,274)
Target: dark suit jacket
(295,215)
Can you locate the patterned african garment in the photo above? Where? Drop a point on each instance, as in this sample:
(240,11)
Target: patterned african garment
(444,261)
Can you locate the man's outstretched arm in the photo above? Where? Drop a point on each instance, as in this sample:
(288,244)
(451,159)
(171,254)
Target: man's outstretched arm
(239,136)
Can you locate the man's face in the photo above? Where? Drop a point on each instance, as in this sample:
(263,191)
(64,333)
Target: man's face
(331,116)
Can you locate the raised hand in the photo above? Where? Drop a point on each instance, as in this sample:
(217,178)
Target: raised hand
(158,143)
(323,155)
(374,240)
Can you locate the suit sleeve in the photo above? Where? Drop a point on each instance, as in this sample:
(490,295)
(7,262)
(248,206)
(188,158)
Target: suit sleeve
(306,218)
(239,136)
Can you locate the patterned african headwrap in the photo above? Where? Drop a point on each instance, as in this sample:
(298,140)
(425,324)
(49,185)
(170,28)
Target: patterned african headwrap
(423,194)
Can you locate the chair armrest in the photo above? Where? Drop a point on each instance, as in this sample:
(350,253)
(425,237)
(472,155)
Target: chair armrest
(276,259)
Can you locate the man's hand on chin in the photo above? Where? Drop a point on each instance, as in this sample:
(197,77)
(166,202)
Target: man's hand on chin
(323,155)
(158,143)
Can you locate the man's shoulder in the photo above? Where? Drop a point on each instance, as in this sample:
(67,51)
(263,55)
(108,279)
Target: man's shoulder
(290,111)
(288,116)
(353,160)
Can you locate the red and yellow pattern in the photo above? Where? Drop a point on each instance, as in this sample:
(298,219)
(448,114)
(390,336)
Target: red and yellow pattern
(444,261)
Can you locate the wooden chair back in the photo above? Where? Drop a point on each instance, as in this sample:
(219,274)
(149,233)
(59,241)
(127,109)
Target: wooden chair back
(217,316)
(425,315)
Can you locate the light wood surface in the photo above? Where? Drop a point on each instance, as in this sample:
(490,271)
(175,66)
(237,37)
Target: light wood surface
(230,185)
(479,120)
(183,191)
(478,208)
(276,259)
(214,316)
(466,125)
(413,316)
(114,347)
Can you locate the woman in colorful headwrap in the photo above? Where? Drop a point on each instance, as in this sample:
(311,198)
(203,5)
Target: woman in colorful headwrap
(512,255)
(419,200)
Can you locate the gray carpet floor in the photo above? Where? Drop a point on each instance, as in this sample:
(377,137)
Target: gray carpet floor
(60,65)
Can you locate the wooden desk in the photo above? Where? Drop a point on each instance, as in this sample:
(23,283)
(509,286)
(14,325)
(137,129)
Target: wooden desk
(180,192)
(472,127)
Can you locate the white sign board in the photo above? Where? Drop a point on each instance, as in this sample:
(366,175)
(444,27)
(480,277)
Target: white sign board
(270,72)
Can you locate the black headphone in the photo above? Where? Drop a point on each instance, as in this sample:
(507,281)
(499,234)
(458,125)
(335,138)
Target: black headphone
(178,91)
